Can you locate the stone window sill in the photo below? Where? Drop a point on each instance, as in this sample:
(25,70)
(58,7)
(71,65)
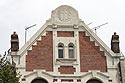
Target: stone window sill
(62,60)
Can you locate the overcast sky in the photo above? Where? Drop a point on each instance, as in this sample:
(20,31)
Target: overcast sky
(16,15)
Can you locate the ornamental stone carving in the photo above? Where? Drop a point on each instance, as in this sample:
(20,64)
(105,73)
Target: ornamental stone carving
(64,15)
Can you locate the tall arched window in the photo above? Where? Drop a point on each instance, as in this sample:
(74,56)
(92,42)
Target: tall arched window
(60,50)
(71,50)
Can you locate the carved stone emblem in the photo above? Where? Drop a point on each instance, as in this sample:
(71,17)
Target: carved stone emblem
(64,15)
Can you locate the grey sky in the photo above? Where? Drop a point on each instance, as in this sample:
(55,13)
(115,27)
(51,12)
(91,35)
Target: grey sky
(16,15)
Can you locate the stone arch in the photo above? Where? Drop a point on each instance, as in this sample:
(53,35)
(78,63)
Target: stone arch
(94,81)
(39,80)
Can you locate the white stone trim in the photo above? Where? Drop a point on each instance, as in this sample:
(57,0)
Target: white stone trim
(104,77)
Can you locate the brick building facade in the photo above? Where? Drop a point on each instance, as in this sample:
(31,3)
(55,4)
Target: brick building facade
(65,50)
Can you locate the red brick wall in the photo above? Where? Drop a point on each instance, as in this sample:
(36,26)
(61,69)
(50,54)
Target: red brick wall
(65,34)
(41,55)
(91,58)
(66,69)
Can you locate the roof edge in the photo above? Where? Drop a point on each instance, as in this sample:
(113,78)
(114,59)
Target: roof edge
(99,41)
(33,39)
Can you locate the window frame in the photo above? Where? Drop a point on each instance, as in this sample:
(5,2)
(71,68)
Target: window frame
(71,49)
(60,50)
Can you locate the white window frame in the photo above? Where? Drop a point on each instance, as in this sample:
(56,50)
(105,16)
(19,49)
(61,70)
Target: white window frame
(61,47)
(71,48)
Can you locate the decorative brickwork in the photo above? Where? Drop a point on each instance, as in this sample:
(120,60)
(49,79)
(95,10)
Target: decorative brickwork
(41,55)
(91,58)
(66,69)
(65,34)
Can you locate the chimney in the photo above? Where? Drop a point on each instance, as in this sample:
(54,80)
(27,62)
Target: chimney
(115,43)
(14,42)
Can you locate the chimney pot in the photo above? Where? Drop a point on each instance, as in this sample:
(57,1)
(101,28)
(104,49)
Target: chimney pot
(115,43)
(14,42)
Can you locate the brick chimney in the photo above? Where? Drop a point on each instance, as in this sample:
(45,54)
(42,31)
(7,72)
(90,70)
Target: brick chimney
(115,43)
(14,42)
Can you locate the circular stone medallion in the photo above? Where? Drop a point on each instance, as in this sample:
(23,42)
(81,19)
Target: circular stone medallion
(64,15)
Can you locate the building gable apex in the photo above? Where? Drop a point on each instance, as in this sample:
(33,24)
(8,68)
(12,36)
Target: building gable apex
(71,19)
(64,15)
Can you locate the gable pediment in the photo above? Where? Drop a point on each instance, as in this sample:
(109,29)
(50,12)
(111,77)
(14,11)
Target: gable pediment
(68,17)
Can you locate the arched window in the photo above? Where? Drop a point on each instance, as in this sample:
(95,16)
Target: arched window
(71,50)
(93,81)
(60,50)
(39,80)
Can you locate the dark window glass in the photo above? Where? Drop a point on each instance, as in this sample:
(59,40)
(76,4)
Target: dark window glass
(60,51)
(71,50)
(94,81)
